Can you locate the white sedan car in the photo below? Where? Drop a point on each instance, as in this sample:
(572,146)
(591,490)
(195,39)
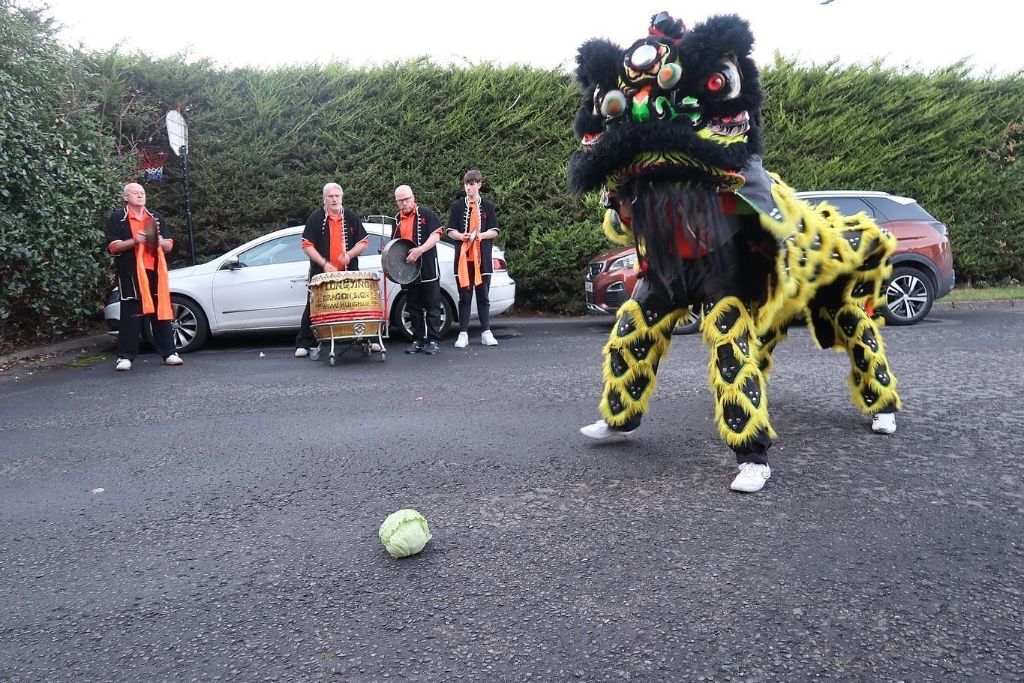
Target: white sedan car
(261,285)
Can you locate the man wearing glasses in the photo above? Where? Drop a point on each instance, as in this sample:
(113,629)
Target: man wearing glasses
(419,224)
(473,224)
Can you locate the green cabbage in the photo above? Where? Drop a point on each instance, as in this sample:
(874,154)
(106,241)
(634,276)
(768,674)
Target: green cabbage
(404,533)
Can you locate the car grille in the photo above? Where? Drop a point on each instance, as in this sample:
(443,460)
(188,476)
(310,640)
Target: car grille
(615,296)
(594,269)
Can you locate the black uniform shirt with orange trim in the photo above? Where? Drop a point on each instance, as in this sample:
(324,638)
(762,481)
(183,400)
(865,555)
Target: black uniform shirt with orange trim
(318,235)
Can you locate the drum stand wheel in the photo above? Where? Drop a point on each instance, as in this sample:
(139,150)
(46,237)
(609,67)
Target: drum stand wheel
(314,353)
(331,360)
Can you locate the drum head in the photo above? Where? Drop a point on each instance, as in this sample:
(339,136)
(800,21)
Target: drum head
(392,260)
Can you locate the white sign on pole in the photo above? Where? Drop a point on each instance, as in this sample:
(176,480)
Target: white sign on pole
(177,132)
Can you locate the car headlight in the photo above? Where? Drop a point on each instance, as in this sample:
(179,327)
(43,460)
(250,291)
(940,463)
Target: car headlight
(628,261)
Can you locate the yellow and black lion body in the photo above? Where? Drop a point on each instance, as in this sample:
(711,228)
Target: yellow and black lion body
(671,130)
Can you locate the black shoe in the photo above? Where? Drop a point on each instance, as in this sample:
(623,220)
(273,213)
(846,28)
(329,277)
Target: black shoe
(415,347)
(432,348)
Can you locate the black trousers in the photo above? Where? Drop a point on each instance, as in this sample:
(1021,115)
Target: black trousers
(129,327)
(305,339)
(483,302)
(423,301)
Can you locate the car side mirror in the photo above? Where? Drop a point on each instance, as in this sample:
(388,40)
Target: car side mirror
(231,263)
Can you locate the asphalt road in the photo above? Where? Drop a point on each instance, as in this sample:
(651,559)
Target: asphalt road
(219,520)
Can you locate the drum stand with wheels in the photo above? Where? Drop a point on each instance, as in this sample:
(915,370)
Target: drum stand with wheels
(336,332)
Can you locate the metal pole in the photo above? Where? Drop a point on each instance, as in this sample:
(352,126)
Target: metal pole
(188,203)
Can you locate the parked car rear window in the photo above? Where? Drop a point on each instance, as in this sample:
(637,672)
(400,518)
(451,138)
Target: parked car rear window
(848,206)
(374,246)
(897,211)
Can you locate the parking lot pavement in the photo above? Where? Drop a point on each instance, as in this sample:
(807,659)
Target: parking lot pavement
(220,518)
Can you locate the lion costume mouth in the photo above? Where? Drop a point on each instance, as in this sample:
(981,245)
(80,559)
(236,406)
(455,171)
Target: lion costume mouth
(730,126)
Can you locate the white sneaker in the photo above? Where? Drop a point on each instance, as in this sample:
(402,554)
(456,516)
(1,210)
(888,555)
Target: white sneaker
(601,430)
(375,347)
(751,478)
(463,340)
(883,423)
(123,364)
(487,339)
(301,352)
(173,359)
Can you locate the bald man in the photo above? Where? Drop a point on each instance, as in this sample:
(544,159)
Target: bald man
(419,223)
(138,239)
(333,239)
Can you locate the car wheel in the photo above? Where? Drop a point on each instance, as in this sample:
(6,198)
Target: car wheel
(909,296)
(402,324)
(690,324)
(190,328)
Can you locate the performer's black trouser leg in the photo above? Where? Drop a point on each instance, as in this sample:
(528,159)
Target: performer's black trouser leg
(129,327)
(423,300)
(305,339)
(483,302)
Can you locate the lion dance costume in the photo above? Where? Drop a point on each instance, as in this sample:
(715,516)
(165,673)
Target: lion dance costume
(671,128)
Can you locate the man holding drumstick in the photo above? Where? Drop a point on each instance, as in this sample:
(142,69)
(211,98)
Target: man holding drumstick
(138,239)
(333,240)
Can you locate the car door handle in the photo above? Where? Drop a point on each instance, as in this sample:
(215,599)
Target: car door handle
(298,279)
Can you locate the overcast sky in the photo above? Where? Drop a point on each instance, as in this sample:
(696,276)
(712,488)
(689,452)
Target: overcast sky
(921,34)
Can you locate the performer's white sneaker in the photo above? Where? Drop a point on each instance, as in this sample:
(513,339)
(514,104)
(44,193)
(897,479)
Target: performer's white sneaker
(123,364)
(301,352)
(173,359)
(883,423)
(463,340)
(601,430)
(751,478)
(487,339)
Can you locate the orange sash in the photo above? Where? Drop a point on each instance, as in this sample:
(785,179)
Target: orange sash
(163,293)
(471,250)
(147,259)
(337,240)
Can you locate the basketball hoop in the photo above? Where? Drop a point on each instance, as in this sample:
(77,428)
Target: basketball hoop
(152,161)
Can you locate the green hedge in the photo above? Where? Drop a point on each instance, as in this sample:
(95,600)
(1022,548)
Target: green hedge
(263,143)
(944,138)
(56,180)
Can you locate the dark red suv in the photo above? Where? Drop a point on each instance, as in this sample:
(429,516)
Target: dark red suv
(922,263)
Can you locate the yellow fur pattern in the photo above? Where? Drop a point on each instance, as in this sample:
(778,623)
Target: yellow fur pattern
(636,345)
(741,404)
(829,269)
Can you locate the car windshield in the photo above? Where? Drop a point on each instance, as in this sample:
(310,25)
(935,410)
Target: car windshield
(287,249)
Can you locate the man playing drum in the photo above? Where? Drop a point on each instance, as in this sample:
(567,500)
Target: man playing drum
(333,240)
(418,223)
(138,239)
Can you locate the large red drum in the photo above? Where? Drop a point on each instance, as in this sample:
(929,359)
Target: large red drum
(345,304)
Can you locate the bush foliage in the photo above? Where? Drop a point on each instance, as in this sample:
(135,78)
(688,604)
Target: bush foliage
(263,143)
(56,179)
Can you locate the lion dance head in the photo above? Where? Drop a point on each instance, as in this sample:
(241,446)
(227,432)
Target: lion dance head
(680,104)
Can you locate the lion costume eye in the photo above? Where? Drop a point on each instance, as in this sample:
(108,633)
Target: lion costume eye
(614,104)
(724,84)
